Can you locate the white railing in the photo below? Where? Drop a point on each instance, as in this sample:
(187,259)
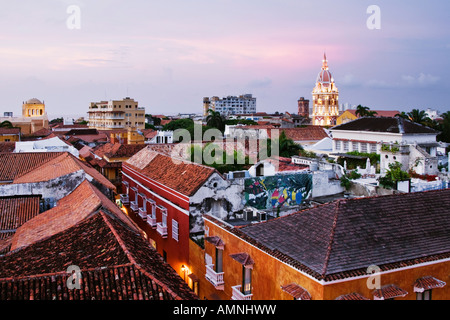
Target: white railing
(151,221)
(162,230)
(216,278)
(238,295)
(124,199)
(143,213)
(134,205)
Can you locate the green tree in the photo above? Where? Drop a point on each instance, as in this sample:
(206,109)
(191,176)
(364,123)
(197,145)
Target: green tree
(393,174)
(6,124)
(286,147)
(215,120)
(363,111)
(444,128)
(418,116)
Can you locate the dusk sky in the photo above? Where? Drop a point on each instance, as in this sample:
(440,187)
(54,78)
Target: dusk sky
(170,54)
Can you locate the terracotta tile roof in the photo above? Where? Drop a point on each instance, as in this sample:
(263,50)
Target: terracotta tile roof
(9,131)
(243,258)
(87,230)
(381,124)
(16,164)
(389,291)
(62,165)
(118,150)
(183,176)
(116,263)
(7,147)
(341,239)
(427,283)
(352,296)
(296,291)
(14,212)
(308,133)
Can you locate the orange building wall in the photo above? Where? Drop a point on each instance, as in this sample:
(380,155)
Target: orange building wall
(269,274)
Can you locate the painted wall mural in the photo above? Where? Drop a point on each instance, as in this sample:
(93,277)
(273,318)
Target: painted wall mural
(277,191)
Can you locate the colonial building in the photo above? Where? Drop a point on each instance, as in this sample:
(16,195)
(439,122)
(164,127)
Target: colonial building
(325,98)
(168,196)
(367,134)
(386,247)
(34,117)
(116,114)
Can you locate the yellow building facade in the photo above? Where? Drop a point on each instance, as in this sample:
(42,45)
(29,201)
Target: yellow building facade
(325,98)
(116,114)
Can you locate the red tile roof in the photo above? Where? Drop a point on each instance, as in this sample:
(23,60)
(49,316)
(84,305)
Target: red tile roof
(352,296)
(62,165)
(116,263)
(9,131)
(16,164)
(308,133)
(390,291)
(14,212)
(7,147)
(87,230)
(183,176)
(296,291)
(427,283)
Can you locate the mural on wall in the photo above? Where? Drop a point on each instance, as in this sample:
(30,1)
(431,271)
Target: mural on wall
(277,191)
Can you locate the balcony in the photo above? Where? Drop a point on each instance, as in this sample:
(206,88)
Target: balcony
(142,213)
(162,230)
(151,221)
(238,295)
(124,199)
(215,278)
(134,206)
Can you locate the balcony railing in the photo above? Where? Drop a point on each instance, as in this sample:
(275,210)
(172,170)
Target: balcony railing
(216,278)
(143,213)
(162,230)
(134,206)
(151,221)
(238,295)
(124,199)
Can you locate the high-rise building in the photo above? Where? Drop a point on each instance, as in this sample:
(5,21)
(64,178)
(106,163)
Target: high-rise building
(325,98)
(116,114)
(303,107)
(244,104)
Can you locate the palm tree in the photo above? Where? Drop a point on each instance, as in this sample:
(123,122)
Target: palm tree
(362,111)
(418,116)
(288,147)
(216,120)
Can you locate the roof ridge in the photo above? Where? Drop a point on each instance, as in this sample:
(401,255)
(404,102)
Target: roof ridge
(331,239)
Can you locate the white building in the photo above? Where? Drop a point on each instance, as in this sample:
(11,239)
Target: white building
(368,134)
(243,104)
(54,144)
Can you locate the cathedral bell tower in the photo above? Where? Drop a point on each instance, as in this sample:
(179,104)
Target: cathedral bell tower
(325,98)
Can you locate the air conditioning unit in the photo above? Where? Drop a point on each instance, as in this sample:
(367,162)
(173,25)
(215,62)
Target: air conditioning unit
(248,214)
(262,216)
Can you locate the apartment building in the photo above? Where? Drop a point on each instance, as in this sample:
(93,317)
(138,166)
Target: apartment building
(243,104)
(116,114)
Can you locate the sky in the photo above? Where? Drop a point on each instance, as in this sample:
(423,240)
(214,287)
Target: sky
(170,54)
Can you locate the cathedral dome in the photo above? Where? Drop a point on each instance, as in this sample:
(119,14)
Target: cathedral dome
(325,78)
(33,101)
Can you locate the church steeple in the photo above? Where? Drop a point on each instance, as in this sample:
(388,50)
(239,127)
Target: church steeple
(325,97)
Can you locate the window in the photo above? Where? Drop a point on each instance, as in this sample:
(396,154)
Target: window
(426,295)
(246,280)
(345,146)
(175,229)
(338,145)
